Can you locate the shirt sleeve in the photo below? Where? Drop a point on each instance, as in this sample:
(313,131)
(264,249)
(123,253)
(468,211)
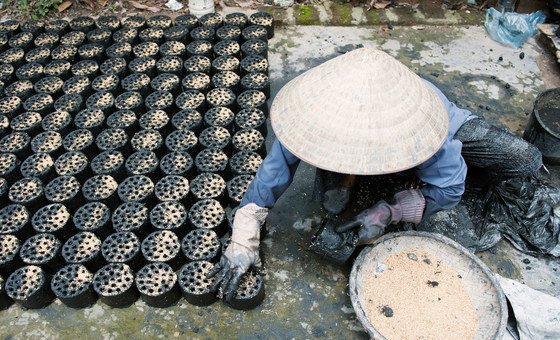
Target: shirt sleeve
(273,177)
(444,173)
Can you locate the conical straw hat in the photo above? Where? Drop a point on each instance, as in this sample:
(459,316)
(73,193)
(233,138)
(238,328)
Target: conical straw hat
(361,113)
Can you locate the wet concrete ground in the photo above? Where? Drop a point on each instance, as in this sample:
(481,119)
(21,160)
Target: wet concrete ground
(306,296)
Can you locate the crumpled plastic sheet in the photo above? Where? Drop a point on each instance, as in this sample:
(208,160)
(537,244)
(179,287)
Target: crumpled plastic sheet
(525,211)
(510,28)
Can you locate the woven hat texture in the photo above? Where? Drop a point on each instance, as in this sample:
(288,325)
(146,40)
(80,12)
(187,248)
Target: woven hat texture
(361,113)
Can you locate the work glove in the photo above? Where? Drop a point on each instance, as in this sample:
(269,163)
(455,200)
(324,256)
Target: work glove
(408,206)
(243,251)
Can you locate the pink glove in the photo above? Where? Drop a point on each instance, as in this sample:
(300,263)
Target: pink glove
(408,207)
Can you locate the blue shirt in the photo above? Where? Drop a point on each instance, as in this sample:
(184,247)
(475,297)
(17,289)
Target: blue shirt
(444,173)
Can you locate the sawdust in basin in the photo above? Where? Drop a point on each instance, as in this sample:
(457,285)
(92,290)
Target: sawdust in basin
(418,297)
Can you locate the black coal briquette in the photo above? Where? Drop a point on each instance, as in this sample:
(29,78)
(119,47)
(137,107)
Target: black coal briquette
(229,32)
(146,49)
(200,48)
(225,63)
(120,50)
(171,64)
(203,33)
(58,122)
(196,81)
(29,288)
(172,188)
(173,48)
(66,190)
(250,293)
(135,21)
(123,119)
(73,163)
(11,106)
(73,285)
(249,140)
(244,163)
(129,101)
(256,81)
(221,97)
(227,47)
(127,35)
(57,26)
(28,192)
(211,160)
(21,89)
(58,68)
(42,250)
(253,99)
(176,32)
(196,286)
(101,188)
(163,246)
(91,119)
(9,249)
(9,164)
(82,23)
(30,71)
(201,245)
(123,247)
(263,19)
(236,19)
(49,85)
(254,32)
(39,165)
(116,66)
(83,248)
(177,163)
(159,21)
(226,79)
(114,283)
(188,20)
(209,185)
(16,143)
(197,63)
(99,36)
(166,82)
(216,137)
(15,220)
(159,100)
(108,22)
(142,163)
(182,140)
(187,119)
(88,68)
(147,140)
(79,140)
(112,140)
(208,214)
(64,53)
(106,82)
(93,217)
(170,215)
(39,55)
(131,216)
(53,219)
(109,163)
(157,284)
(152,34)
(137,188)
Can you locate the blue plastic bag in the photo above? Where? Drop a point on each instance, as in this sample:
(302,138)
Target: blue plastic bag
(511,28)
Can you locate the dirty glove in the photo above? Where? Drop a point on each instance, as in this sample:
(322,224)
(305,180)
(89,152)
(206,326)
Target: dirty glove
(243,251)
(408,207)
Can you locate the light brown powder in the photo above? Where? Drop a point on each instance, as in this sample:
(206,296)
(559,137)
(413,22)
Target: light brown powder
(417,296)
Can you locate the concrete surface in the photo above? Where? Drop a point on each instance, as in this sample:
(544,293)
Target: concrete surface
(306,296)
